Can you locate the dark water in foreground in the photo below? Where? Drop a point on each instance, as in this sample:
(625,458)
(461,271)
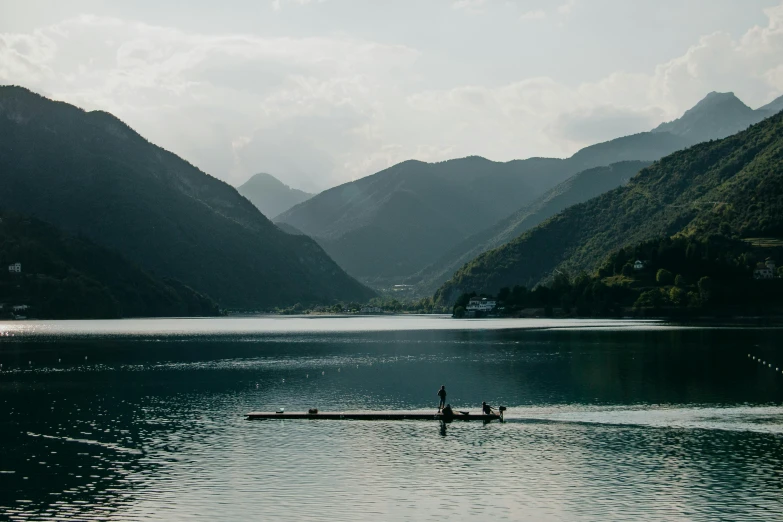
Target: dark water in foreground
(606,421)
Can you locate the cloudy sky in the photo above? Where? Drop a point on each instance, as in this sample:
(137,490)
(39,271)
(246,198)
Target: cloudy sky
(318,92)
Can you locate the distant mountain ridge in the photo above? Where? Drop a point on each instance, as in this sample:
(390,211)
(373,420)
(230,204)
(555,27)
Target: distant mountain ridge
(576,189)
(398,224)
(730,186)
(91,174)
(389,226)
(773,107)
(392,223)
(716,116)
(270,195)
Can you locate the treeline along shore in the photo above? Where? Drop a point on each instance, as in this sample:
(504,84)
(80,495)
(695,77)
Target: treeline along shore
(670,277)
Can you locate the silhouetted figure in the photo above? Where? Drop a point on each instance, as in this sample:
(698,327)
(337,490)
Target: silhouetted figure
(487,409)
(442,395)
(447,411)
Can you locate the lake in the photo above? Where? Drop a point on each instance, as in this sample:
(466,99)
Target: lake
(607,420)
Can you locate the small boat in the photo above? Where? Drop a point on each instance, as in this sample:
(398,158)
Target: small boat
(380,415)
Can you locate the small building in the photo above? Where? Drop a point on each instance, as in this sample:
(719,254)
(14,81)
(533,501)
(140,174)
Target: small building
(21,308)
(638,265)
(371,310)
(481,304)
(16,268)
(765,270)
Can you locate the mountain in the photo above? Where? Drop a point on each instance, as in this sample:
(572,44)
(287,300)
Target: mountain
(388,226)
(576,189)
(93,175)
(64,276)
(270,195)
(773,107)
(396,221)
(732,186)
(288,229)
(716,116)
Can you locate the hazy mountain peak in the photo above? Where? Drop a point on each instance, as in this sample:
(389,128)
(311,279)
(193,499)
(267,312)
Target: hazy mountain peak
(716,116)
(264,179)
(715,98)
(270,195)
(716,101)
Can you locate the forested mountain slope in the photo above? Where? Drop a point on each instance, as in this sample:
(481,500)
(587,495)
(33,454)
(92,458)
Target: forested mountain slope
(93,175)
(64,276)
(576,189)
(734,185)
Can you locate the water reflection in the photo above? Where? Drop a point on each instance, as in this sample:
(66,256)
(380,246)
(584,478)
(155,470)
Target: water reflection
(602,426)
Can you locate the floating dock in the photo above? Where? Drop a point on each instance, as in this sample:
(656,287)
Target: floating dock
(458,416)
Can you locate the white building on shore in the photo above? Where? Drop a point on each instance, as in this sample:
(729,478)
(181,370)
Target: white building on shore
(765,270)
(15,268)
(481,304)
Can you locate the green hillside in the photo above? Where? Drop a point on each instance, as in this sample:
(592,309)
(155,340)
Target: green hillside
(576,189)
(680,277)
(91,174)
(70,277)
(733,186)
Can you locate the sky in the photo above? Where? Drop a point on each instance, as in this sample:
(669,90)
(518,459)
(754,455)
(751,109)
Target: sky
(321,92)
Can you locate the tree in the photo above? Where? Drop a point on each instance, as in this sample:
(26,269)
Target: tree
(679,281)
(504,294)
(561,282)
(678,296)
(705,288)
(694,300)
(627,270)
(518,295)
(459,311)
(462,302)
(664,277)
(655,299)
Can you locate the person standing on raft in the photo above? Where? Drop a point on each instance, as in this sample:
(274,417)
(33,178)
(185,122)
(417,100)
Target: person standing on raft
(486,409)
(442,395)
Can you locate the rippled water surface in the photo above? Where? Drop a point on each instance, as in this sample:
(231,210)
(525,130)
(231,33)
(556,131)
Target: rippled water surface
(607,420)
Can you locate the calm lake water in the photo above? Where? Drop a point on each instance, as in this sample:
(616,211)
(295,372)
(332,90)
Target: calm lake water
(607,420)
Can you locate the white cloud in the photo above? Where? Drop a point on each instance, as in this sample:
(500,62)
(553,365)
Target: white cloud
(277,5)
(471,6)
(536,14)
(321,110)
(566,8)
(210,97)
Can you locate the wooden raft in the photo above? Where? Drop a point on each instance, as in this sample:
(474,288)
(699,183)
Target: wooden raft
(375,416)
